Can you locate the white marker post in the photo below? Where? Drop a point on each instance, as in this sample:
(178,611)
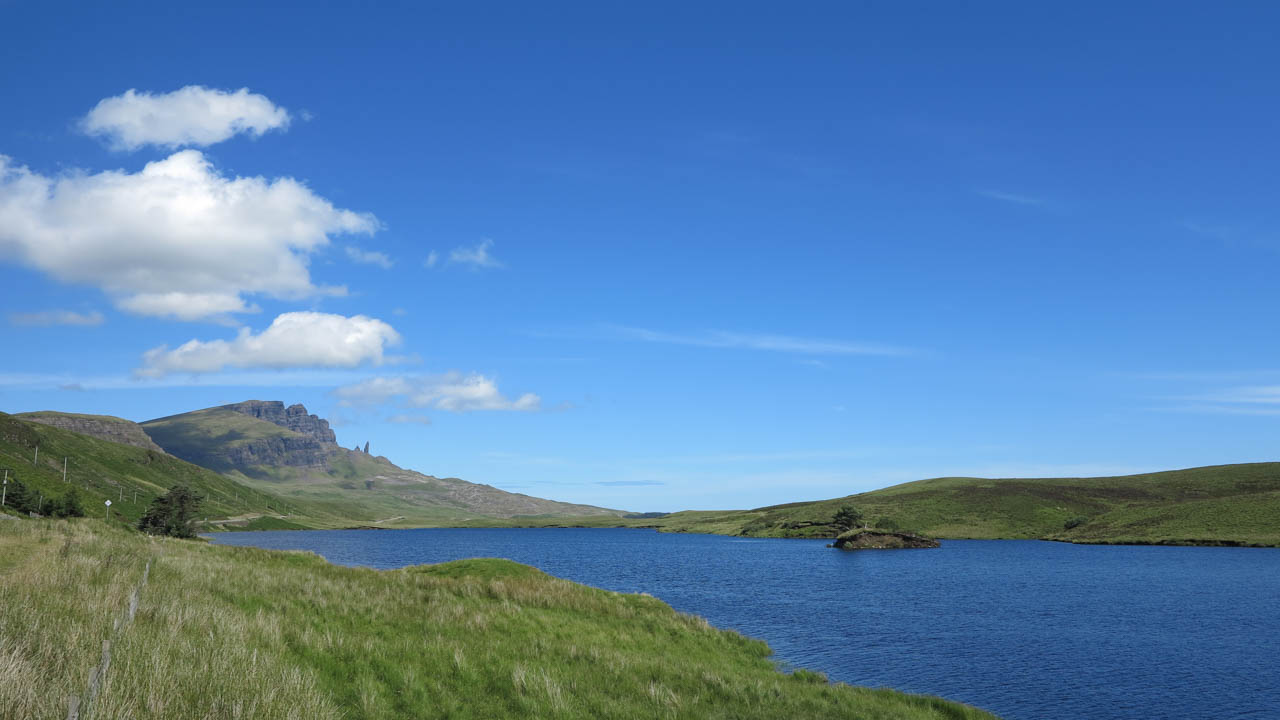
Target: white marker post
(4,489)
(107,515)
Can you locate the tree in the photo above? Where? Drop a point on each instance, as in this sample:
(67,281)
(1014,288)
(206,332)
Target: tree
(19,497)
(847,518)
(172,514)
(366,447)
(68,506)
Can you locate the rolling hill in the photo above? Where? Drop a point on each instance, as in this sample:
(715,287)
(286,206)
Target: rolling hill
(33,452)
(288,452)
(1216,505)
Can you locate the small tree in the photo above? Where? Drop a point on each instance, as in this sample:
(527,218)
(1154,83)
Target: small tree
(172,514)
(68,506)
(847,518)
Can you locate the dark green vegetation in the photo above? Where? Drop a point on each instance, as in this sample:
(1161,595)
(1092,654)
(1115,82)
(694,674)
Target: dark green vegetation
(860,539)
(1218,505)
(172,514)
(287,452)
(222,632)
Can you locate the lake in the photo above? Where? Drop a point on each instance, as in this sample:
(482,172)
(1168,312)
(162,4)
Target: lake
(1025,629)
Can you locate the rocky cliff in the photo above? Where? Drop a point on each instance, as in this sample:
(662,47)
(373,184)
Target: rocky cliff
(103,427)
(294,417)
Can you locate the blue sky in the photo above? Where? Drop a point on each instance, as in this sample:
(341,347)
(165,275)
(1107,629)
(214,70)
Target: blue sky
(657,257)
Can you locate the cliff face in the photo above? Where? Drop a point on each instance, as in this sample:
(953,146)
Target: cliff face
(103,427)
(294,417)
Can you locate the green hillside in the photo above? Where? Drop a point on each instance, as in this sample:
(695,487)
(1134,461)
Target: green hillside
(312,470)
(130,477)
(1222,504)
(202,631)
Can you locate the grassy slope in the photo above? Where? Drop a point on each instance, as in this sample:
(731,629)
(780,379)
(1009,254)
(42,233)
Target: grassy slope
(226,632)
(199,435)
(397,498)
(1219,504)
(99,470)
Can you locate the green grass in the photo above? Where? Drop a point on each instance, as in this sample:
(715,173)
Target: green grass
(1223,504)
(224,632)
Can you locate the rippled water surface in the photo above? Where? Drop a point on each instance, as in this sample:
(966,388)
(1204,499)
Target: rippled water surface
(1025,629)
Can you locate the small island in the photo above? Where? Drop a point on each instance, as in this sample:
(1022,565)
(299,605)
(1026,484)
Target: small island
(867,539)
(852,537)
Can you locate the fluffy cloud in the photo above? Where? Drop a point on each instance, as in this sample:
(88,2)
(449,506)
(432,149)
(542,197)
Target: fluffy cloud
(476,257)
(294,340)
(369,257)
(450,391)
(175,239)
(194,115)
(46,318)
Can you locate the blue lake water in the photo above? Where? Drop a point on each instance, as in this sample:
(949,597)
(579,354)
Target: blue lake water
(1025,629)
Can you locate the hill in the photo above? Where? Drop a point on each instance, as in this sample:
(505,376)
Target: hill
(289,452)
(33,452)
(104,427)
(202,631)
(1217,505)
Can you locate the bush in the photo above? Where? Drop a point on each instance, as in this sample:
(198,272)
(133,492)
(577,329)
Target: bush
(1075,522)
(173,513)
(847,517)
(888,523)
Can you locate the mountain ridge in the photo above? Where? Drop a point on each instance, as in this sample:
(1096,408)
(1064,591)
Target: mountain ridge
(286,450)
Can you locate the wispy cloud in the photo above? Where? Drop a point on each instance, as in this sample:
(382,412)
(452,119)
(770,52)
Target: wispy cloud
(46,318)
(629,483)
(409,419)
(369,257)
(1010,197)
(477,257)
(433,257)
(753,341)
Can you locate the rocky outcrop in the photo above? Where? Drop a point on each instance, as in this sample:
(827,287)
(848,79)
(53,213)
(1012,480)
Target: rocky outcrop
(881,540)
(294,417)
(278,452)
(103,427)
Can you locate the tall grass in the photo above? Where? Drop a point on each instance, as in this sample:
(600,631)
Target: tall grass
(226,632)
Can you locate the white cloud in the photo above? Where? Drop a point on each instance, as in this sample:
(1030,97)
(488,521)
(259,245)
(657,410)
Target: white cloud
(45,318)
(294,340)
(433,257)
(175,239)
(450,391)
(194,115)
(477,257)
(369,257)
(409,419)
(1010,197)
(756,341)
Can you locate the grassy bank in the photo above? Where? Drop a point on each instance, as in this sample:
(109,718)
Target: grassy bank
(1218,505)
(223,632)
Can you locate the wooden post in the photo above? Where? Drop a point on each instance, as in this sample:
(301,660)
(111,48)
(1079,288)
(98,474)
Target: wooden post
(36,459)
(4,489)
(64,468)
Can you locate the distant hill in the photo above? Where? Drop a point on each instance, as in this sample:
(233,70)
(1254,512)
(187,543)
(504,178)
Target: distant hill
(1221,504)
(33,449)
(287,451)
(105,427)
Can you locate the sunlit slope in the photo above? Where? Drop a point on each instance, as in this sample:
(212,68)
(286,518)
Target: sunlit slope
(365,489)
(1228,504)
(221,632)
(129,476)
